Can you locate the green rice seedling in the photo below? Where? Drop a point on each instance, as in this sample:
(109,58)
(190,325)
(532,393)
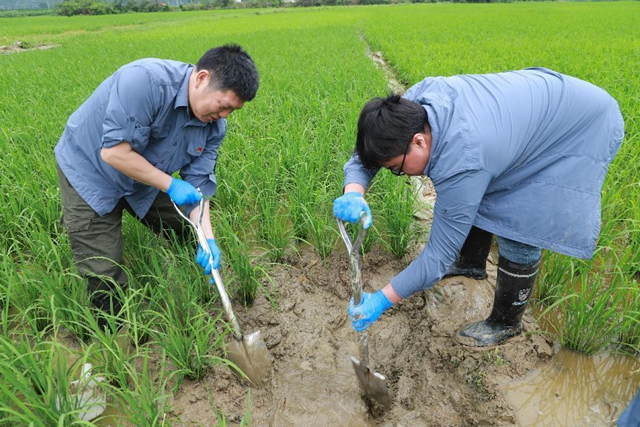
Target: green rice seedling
(591,316)
(300,195)
(9,274)
(136,317)
(146,402)
(67,303)
(32,307)
(398,201)
(633,235)
(35,387)
(556,274)
(275,230)
(111,353)
(236,253)
(160,266)
(629,340)
(322,229)
(232,198)
(192,342)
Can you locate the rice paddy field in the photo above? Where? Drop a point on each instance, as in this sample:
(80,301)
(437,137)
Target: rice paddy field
(279,169)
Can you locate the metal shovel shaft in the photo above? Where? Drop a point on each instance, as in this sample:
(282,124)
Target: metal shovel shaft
(373,383)
(215,274)
(248,352)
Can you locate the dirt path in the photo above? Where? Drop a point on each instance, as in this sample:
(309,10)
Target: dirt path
(433,380)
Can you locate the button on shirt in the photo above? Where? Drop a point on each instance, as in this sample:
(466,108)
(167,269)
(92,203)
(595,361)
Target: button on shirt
(146,104)
(521,154)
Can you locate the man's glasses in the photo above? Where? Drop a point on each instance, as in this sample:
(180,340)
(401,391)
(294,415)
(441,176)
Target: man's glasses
(399,172)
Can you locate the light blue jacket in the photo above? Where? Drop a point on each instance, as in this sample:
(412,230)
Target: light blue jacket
(521,154)
(146,104)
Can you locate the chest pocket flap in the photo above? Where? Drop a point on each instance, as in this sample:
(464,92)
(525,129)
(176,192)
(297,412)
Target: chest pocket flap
(195,148)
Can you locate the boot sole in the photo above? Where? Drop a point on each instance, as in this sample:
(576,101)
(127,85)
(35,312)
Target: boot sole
(470,344)
(470,276)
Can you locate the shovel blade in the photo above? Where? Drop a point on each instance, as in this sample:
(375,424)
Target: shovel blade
(251,356)
(372,383)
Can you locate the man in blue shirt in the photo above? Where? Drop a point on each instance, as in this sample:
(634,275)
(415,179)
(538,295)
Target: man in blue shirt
(118,151)
(522,155)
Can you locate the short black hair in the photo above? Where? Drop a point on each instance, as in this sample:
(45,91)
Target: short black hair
(231,68)
(385,127)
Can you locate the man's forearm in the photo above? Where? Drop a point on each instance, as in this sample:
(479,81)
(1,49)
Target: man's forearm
(126,160)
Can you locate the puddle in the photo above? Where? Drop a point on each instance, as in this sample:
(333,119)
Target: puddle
(575,389)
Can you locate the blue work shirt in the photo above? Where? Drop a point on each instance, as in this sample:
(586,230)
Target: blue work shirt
(144,103)
(521,154)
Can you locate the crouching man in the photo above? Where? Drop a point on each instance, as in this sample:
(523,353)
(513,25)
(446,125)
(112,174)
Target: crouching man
(151,118)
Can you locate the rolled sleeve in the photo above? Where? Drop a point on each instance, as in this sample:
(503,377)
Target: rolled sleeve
(356,173)
(456,207)
(201,171)
(130,108)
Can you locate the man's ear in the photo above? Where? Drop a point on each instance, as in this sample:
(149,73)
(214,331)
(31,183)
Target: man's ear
(202,77)
(419,140)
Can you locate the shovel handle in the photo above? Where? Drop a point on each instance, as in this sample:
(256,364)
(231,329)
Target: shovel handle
(356,280)
(353,248)
(215,274)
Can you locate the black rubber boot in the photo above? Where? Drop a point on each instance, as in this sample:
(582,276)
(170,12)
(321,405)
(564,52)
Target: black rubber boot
(472,260)
(514,287)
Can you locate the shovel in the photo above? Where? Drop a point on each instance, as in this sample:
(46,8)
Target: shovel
(248,352)
(372,383)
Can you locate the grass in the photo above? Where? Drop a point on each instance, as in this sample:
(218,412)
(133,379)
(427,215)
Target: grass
(279,170)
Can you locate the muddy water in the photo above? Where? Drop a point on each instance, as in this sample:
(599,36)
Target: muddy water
(575,389)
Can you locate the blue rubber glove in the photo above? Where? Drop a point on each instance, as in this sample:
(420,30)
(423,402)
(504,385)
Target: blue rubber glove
(350,206)
(371,307)
(202,256)
(183,193)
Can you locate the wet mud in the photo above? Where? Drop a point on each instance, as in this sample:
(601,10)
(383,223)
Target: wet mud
(433,380)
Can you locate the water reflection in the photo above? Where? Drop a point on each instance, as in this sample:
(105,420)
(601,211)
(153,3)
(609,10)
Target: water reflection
(575,390)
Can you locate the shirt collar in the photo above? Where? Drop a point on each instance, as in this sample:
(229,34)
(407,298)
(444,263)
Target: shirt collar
(435,135)
(182,98)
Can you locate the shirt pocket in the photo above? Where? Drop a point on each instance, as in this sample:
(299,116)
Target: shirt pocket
(195,148)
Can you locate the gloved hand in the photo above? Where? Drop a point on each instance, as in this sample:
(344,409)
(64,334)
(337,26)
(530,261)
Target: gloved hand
(183,193)
(350,206)
(202,256)
(370,308)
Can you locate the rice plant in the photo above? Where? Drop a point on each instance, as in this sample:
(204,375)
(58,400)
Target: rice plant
(591,316)
(190,339)
(398,200)
(146,402)
(35,387)
(236,253)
